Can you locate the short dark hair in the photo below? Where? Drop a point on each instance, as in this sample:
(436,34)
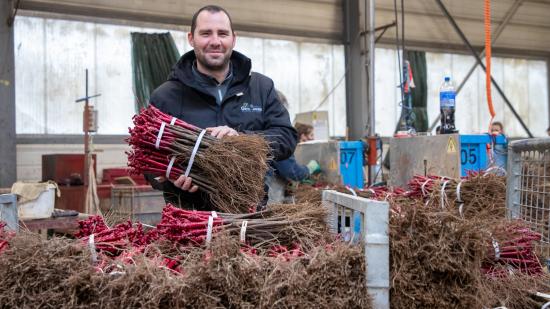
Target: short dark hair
(211,9)
(498,123)
(303,128)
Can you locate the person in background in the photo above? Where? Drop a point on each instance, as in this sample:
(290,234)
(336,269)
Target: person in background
(305,132)
(548,131)
(285,171)
(497,128)
(498,157)
(213,87)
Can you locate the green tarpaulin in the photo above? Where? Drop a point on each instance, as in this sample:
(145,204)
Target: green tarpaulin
(153,55)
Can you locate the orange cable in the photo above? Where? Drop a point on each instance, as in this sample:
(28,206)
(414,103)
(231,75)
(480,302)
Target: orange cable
(488,60)
(487,13)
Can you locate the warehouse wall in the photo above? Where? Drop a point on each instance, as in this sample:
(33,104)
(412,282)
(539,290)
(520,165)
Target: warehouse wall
(51,56)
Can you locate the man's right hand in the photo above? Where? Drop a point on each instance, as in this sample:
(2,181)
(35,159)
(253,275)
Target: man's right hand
(185,184)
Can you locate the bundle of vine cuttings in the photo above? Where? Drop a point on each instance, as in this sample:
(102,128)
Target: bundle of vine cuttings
(511,251)
(287,225)
(281,229)
(230,170)
(476,195)
(57,273)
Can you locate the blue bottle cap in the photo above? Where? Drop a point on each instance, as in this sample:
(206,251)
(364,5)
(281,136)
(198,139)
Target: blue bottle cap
(447,78)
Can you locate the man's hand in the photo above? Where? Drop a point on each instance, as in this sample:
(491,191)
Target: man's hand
(222,131)
(185,184)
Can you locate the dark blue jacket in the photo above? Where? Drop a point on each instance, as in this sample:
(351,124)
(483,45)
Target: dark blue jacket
(290,170)
(250,105)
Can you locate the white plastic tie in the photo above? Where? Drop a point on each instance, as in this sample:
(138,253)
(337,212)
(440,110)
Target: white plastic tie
(195,149)
(169,167)
(159,136)
(352,191)
(214,215)
(173,121)
(209,230)
(459,199)
(443,194)
(244,224)
(497,249)
(91,245)
(423,187)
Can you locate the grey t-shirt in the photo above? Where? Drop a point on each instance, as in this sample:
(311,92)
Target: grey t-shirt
(211,85)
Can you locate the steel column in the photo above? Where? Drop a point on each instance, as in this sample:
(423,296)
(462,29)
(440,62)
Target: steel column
(8,150)
(356,78)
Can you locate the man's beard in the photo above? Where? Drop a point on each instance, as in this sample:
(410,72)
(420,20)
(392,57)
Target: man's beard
(213,65)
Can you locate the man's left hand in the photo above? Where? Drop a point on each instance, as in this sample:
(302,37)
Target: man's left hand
(222,131)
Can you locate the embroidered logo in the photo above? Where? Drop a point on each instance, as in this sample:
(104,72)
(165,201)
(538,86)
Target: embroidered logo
(251,108)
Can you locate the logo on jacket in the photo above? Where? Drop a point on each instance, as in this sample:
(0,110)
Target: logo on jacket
(251,108)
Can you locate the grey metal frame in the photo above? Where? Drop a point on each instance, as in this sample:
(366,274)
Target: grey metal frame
(527,195)
(374,232)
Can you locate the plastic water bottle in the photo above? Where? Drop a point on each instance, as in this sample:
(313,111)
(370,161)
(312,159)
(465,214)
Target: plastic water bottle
(447,105)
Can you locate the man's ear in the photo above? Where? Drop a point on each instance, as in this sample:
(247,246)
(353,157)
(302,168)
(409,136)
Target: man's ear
(190,39)
(234,38)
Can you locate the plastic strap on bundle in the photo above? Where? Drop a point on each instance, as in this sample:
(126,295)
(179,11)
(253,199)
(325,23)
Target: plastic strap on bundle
(194,153)
(244,224)
(169,167)
(209,230)
(497,248)
(443,194)
(214,214)
(91,245)
(173,121)
(422,188)
(458,198)
(351,190)
(159,136)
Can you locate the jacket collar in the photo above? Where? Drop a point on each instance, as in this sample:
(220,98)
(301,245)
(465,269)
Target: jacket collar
(183,70)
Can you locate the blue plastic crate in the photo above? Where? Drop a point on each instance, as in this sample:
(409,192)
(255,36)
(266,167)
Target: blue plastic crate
(351,163)
(473,152)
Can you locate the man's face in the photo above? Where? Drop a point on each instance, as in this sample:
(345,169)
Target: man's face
(213,40)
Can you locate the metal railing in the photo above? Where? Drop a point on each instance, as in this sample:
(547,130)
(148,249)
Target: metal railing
(367,220)
(528,185)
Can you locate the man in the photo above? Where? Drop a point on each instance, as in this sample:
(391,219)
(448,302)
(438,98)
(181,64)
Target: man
(213,87)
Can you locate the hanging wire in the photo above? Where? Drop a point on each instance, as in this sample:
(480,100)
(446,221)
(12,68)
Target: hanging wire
(400,68)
